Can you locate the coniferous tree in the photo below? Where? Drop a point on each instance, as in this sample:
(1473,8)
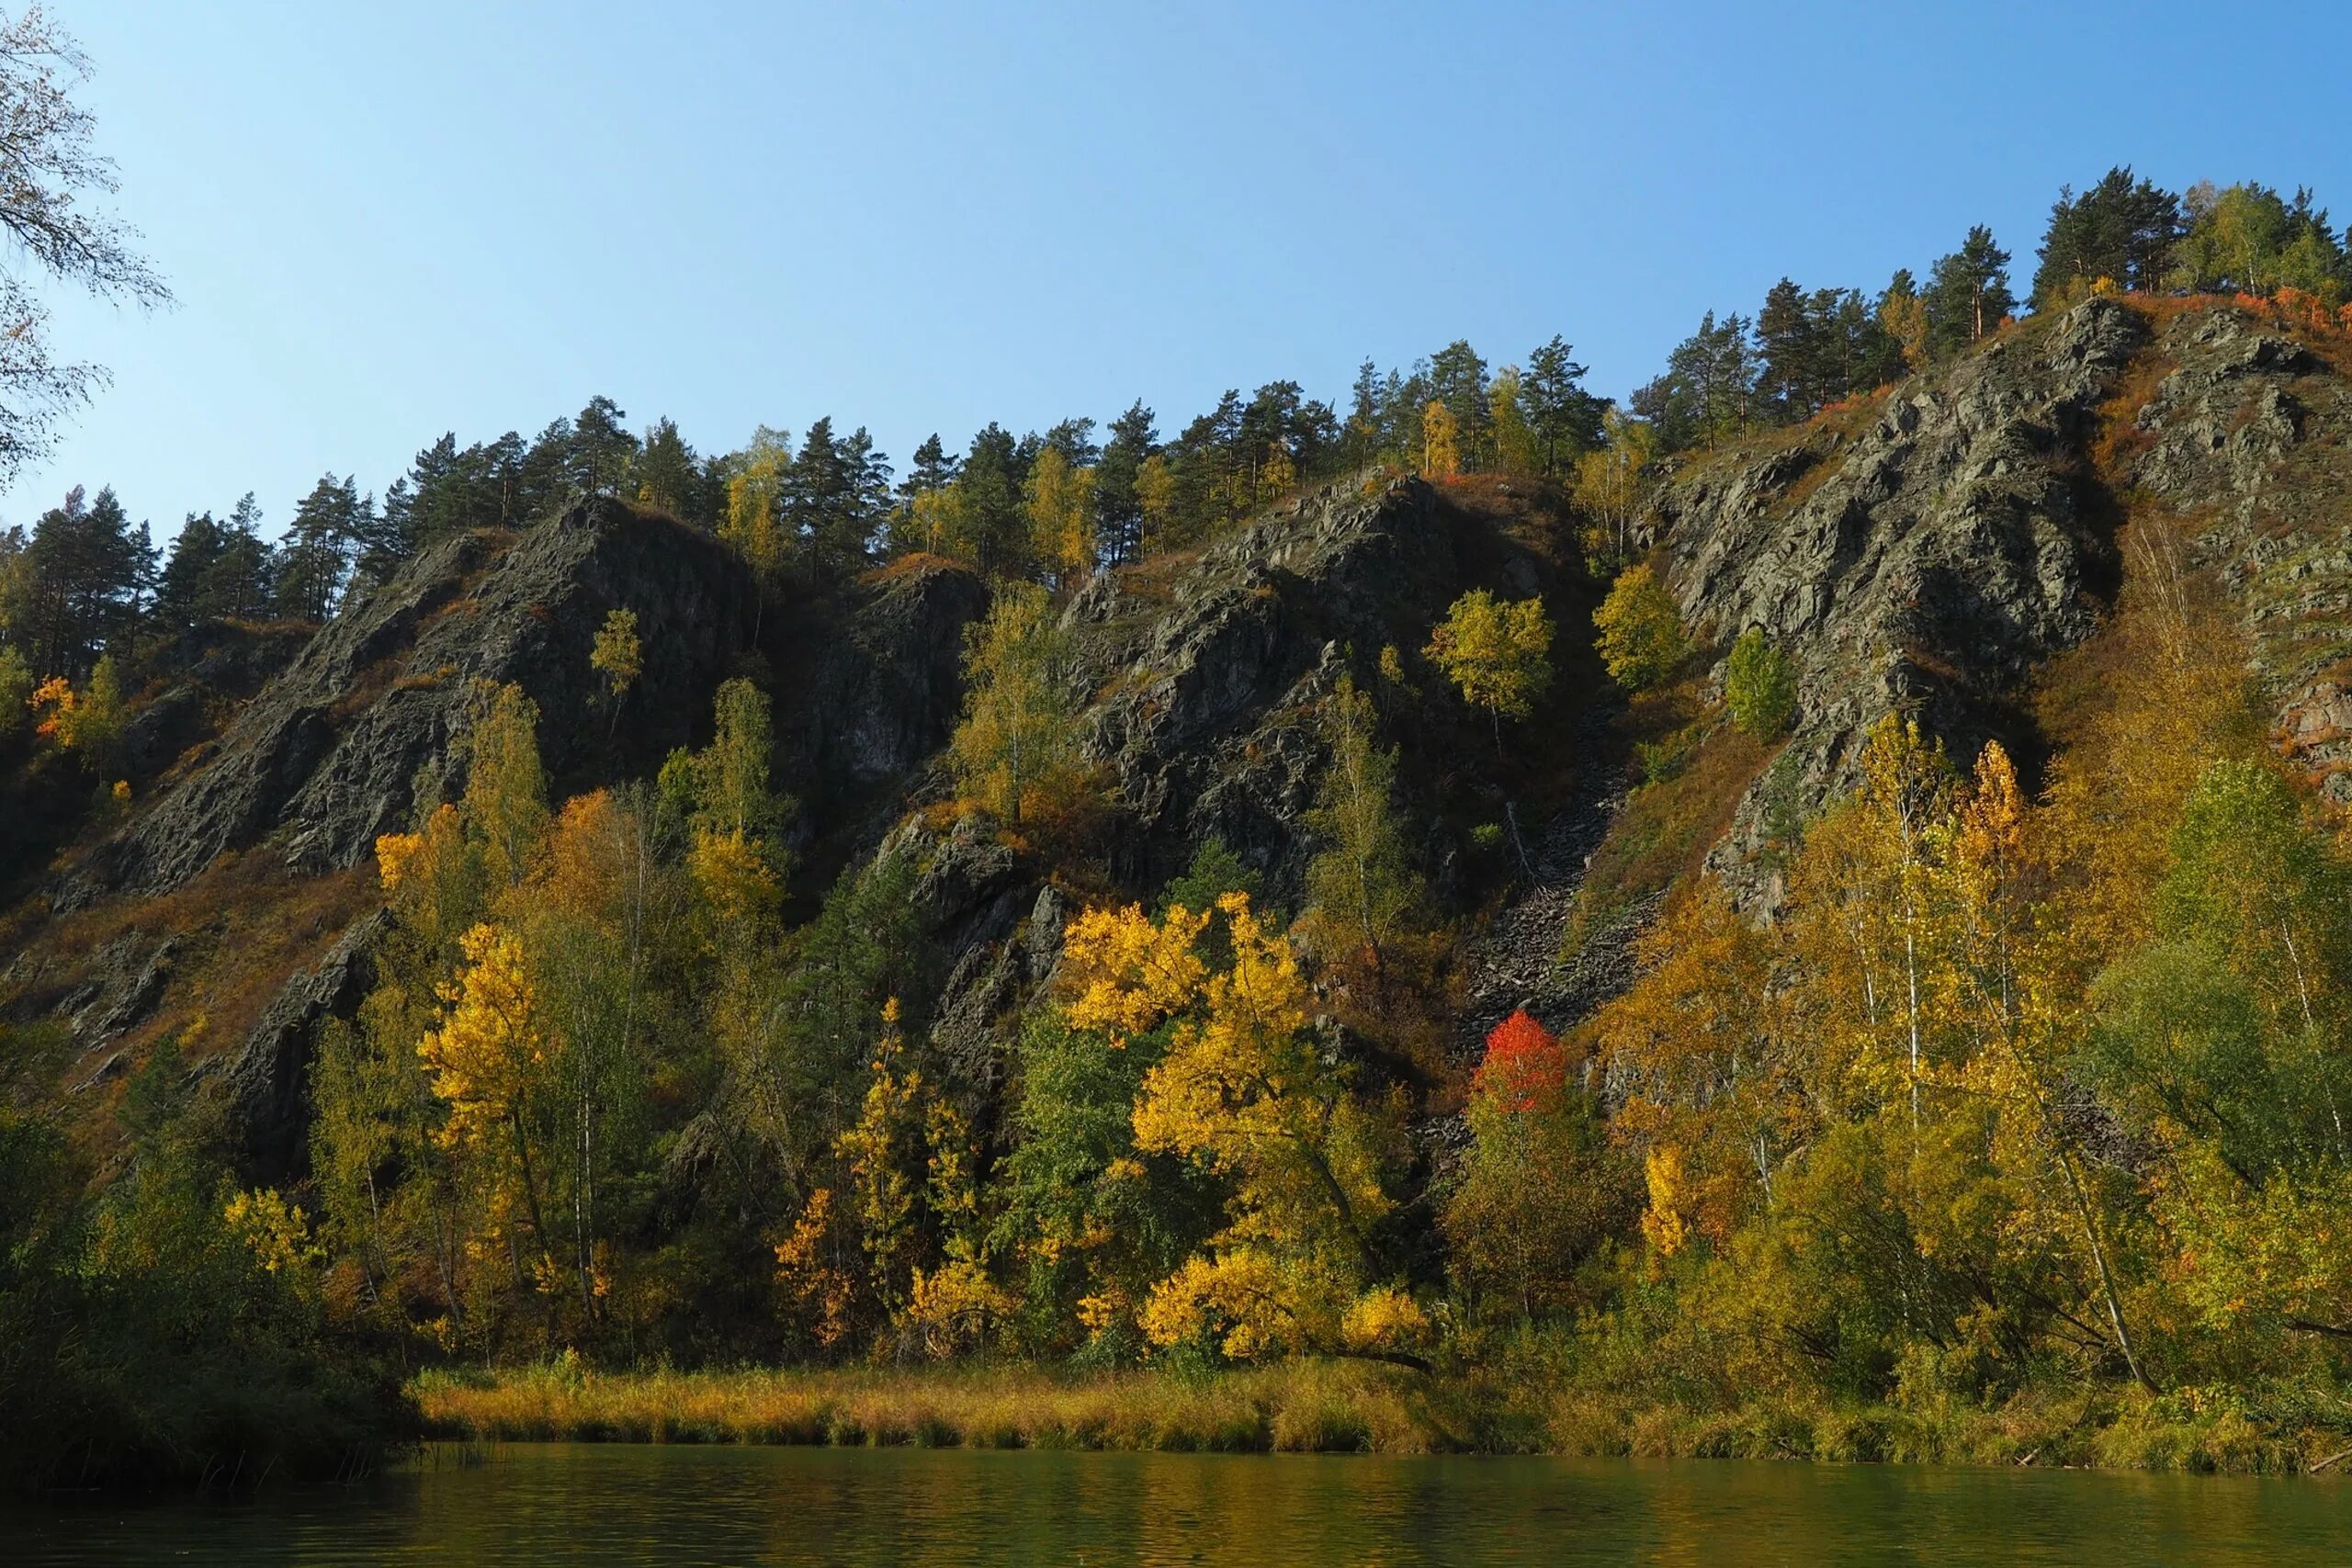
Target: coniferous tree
(601,448)
(83,574)
(1787,342)
(2121,230)
(1566,418)
(321,546)
(1968,293)
(665,473)
(989,485)
(1118,505)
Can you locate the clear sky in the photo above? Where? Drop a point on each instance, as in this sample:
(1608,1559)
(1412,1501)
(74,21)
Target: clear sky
(383,222)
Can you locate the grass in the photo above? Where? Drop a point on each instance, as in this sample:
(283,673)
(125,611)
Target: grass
(1318,1408)
(1345,1407)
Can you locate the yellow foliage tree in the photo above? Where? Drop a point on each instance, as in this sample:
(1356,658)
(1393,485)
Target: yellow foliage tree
(1642,640)
(1441,441)
(1018,744)
(1517,451)
(506,788)
(488,1064)
(1060,498)
(1156,499)
(617,655)
(753,523)
(1497,652)
(1609,488)
(1244,1091)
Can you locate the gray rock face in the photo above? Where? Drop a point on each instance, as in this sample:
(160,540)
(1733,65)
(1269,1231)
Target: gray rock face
(266,1084)
(1203,701)
(870,683)
(327,756)
(1937,556)
(1932,560)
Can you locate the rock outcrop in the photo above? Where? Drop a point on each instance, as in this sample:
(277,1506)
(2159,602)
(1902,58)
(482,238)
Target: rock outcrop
(1925,562)
(328,756)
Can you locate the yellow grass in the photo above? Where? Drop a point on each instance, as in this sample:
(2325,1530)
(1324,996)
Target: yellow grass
(1349,1407)
(1300,1407)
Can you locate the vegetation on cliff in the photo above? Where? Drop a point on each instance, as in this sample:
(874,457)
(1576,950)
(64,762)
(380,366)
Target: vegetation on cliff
(1086,915)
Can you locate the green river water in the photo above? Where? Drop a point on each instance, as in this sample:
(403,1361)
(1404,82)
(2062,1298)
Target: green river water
(617,1503)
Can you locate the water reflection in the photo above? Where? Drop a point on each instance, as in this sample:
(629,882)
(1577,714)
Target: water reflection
(622,1505)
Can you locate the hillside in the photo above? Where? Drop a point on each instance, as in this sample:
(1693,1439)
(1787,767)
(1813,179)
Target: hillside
(782,940)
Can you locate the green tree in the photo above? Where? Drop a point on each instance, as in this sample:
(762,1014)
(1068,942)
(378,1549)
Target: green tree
(1968,293)
(1759,685)
(15,694)
(666,471)
(1361,886)
(1566,418)
(1642,640)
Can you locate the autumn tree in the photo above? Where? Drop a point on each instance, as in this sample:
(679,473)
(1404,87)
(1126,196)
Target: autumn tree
(88,722)
(1902,316)
(1246,1093)
(1538,1190)
(1608,488)
(617,656)
(1441,441)
(1498,653)
(1018,746)
(1514,438)
(487,1061)
(753,523)
(1059,497)
(1642,641)
(506,787)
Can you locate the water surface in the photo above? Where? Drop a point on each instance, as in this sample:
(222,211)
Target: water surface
(617,1503)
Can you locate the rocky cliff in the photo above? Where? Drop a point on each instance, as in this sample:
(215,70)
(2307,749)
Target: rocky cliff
(1928,549)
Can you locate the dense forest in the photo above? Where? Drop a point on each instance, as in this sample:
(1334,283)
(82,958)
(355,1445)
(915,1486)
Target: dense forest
(2004,1063)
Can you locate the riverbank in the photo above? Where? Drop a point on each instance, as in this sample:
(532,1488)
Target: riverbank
(1317,1406)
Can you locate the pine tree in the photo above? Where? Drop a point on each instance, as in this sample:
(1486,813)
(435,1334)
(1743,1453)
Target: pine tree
(1565,417)
(316,557)
(1968,294)
(665,472)
(1118,505)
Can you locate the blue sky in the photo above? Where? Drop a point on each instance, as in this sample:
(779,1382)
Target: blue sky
(386,221)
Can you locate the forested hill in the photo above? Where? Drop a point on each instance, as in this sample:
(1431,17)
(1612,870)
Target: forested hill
(1824,883)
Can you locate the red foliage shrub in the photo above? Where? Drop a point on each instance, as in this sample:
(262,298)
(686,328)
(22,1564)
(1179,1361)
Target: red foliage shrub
(1525,1064)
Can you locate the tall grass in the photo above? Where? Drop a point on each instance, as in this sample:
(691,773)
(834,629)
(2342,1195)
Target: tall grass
(1300,1407)
(1326,1407)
